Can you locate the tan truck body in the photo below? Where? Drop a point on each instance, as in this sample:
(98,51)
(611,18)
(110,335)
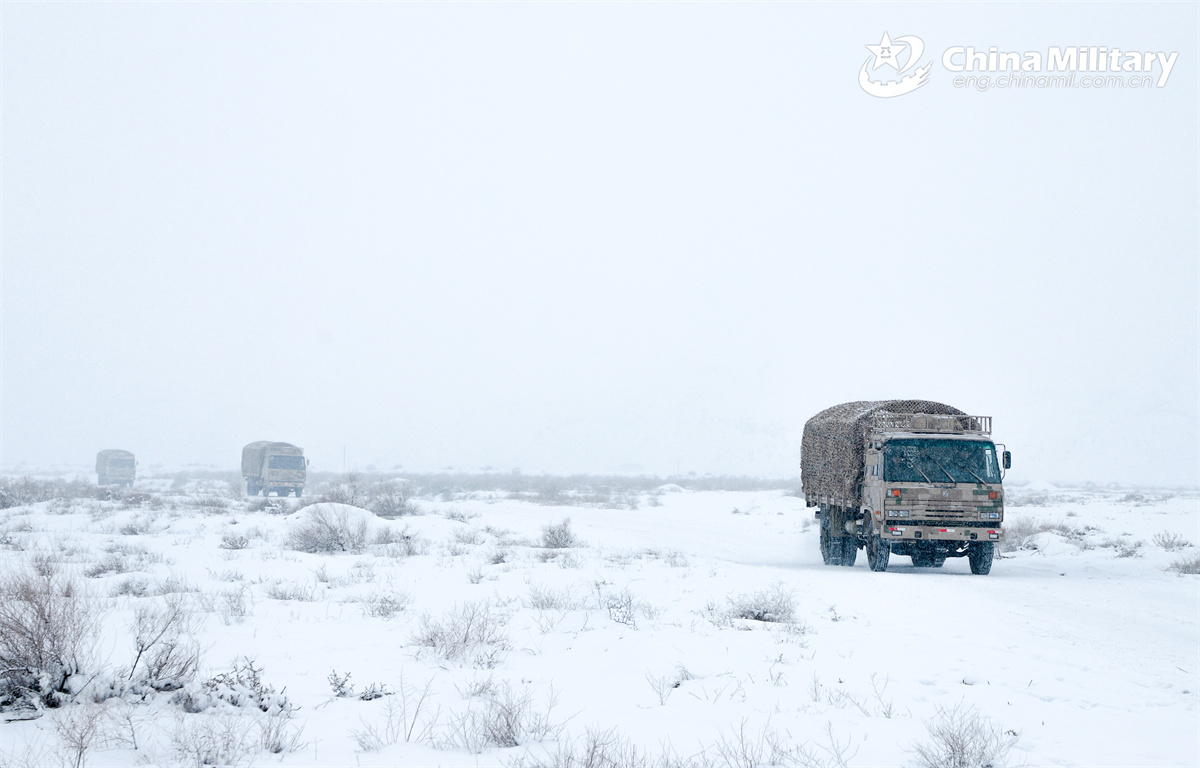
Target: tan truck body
(115,467)
(274,467)
(905,477)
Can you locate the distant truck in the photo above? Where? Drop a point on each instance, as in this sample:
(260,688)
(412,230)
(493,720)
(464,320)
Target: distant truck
(115,467)
(909,477)
(273,467)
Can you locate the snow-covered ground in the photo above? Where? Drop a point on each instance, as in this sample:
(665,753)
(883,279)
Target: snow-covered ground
(1081,648)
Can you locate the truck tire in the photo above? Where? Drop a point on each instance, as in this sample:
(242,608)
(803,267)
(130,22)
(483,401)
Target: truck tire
(298,492)
(922,559)
(878,552)
(980,556)
(831,547)
(849,550)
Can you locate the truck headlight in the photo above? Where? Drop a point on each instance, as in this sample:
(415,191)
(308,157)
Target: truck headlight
(989,515)
(897,513)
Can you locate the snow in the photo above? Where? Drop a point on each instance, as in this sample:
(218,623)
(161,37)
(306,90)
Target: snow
(1091,658)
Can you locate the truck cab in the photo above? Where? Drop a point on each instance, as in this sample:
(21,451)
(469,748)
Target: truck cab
(932,489)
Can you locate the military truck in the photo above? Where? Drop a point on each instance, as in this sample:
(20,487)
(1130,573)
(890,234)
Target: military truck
(273,468)
(905,477)
(115,467)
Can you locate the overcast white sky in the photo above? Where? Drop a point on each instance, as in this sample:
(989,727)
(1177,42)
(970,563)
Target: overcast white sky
(587,237)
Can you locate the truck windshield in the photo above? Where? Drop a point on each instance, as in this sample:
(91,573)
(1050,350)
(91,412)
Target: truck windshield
(918,460)
(120,463)
(286,462)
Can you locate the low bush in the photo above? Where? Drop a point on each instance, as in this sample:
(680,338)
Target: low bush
(470,633)
(770,605)
(329,528)
(47,633)
(960,737)
(559,535)
(1171,542)
(1186,565)
(241,687)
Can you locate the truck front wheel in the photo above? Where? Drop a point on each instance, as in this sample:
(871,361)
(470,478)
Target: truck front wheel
(980,557)
(878,552)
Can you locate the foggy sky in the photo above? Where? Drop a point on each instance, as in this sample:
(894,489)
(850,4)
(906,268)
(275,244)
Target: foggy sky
(587,238)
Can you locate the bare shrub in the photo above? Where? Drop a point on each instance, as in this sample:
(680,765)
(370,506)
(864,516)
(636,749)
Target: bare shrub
(621,607)
(211,740)
(1186,565)
(546,599)
(290,590)
(470,633)
(399,544)
(134,586)
(276,734)
(328,529)
(960,737)
(407,717)
(457,515)
(385,605)
(47,629)
(1171,542)
(506,718)
(78,729)
(771,605)
(234,541)
(559,535)
(392,499)
(233,606)
(1126,547)
(166,655)
(471,536)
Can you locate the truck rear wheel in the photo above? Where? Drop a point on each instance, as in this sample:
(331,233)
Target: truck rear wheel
(849,550)
(878,552)
(980,556)
(831,546)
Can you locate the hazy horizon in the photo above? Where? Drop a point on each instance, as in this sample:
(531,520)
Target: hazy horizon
(587,238)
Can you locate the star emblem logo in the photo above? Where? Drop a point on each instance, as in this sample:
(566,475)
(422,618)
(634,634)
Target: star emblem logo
(886,53)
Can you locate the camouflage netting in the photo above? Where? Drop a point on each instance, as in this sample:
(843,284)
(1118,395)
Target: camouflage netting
(831,454)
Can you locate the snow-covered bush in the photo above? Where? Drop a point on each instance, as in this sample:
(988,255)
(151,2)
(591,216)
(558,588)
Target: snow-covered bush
(960,737)
(48,627)
(772,605)
(508,717)
(385,604)
(329,528)
(392,499)
(1171,542)
(166,655)
(1186,565)
(559,535)
(241,687)
(471,633)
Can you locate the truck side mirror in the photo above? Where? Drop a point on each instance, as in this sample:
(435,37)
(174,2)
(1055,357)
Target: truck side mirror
(1008,459)
(306,462)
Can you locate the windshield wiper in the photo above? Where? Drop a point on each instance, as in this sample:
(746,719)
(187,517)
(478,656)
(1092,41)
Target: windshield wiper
(977,477)
(952,478)
(913,464)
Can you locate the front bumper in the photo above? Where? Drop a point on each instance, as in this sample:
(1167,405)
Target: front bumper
(909,531)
